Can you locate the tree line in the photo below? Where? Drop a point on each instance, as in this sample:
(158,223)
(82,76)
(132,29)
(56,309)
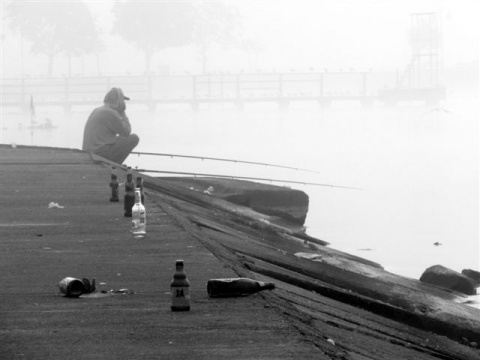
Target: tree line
(69,28)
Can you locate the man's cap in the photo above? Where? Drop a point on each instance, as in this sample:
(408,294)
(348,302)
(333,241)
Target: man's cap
(113,95)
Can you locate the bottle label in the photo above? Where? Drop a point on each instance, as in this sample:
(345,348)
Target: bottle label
(180,296)
(135,224)
(139,223)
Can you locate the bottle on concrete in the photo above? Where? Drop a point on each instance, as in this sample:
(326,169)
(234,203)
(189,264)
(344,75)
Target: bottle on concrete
(140,186)
(139,217)
(236,287)
(180,288)
(114,185)
(129,197)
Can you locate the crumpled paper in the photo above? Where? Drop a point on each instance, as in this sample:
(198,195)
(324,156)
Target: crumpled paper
(209,191)
(54,205)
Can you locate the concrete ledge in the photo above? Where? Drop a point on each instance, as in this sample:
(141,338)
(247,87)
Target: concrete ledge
(283,202)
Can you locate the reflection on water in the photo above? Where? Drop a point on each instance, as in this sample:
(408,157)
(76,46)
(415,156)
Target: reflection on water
(417,168)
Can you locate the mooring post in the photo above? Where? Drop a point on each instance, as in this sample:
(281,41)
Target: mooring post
(364,85)
(237,85)
(282,101)
(194,103)
(366,100)
(280,85)
(320,84)
(150,87)
(239,101)
(66,89)
(22,93)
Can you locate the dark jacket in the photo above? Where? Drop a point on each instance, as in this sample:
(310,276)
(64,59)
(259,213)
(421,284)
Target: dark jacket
(106,123)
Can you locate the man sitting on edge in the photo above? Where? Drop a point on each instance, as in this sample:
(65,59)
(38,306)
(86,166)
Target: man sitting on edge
(107,132)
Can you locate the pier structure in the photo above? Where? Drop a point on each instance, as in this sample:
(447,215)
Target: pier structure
(239,89)
(421,77)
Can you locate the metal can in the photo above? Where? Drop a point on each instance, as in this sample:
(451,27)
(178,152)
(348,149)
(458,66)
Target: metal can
(71,287)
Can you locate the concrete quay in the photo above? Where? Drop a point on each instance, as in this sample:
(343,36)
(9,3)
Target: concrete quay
(88,236)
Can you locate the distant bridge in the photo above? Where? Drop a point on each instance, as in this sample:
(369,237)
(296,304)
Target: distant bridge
(195,90)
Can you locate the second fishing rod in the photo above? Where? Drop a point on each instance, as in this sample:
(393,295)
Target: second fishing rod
(194,174)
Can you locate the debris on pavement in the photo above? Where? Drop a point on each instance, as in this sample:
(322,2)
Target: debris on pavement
(54,205)
(120,291)
(209,191)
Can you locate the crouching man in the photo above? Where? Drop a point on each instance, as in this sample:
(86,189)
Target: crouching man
(107,131)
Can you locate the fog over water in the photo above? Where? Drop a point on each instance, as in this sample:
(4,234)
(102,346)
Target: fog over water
(417,165)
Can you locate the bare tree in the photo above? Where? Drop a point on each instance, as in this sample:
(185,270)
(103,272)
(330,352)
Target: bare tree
(252,48)
(55,28)
(216,23)
(154,25)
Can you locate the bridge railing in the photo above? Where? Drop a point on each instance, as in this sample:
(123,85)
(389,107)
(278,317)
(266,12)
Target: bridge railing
(157,89)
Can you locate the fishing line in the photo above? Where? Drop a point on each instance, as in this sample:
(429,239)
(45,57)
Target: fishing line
(245,178)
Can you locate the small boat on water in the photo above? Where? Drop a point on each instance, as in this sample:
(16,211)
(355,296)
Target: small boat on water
(47,125)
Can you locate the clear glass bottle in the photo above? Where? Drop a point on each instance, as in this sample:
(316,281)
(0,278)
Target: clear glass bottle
(114,185)
(180,288)
(139,217)
(236,287)
(129,197)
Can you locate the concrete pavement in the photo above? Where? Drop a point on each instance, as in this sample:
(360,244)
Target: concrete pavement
(89,237)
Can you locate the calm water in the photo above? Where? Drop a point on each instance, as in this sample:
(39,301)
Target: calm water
(417,167)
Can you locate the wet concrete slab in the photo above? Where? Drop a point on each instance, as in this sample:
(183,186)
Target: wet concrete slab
(335,309)
(90,237)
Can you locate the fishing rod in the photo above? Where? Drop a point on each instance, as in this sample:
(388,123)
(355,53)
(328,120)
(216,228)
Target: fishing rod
(221,159)
(244,178)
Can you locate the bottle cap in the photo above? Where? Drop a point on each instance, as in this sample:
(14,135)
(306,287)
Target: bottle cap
(269,286)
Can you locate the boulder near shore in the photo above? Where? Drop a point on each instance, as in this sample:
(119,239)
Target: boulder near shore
(449,279)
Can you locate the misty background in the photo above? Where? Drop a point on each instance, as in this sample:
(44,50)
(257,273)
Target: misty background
(115,37)
(416,162)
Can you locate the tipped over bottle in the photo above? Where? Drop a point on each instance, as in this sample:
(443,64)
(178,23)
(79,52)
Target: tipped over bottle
(236,287)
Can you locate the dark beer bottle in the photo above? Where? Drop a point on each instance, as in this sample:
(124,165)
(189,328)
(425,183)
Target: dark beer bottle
(114,185)
(129,197)
(236,287)
(139,185)
(180,288)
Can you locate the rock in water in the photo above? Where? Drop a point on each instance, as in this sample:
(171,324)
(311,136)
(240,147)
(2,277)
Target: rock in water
(472,274)
(448,279)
